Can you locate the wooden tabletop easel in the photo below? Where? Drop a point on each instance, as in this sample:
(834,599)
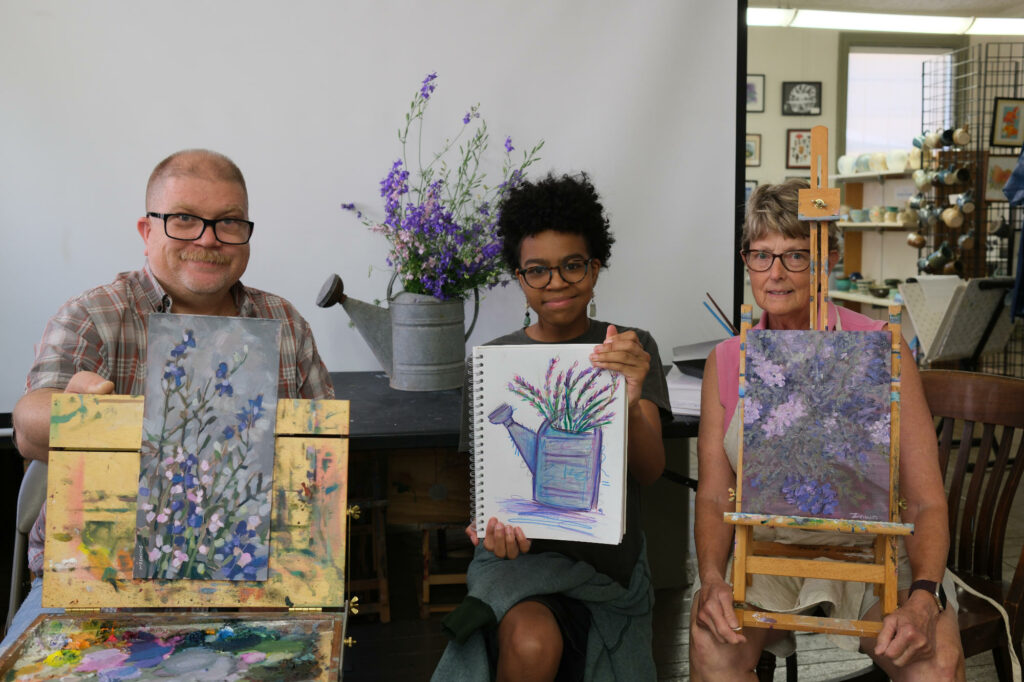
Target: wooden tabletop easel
(819,205)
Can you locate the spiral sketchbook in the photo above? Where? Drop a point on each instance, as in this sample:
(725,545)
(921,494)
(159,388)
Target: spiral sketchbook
(548,442)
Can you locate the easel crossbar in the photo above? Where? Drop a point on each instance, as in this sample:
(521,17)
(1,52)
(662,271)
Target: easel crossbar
(812,523)
(789,621)
(809,568)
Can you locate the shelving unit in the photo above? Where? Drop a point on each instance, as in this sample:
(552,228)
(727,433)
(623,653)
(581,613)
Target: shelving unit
(877,250)
(881,227)
(876,176)
(961,90)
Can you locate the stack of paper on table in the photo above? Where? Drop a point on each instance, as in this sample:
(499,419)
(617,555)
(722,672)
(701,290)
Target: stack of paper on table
(683,392)
(689,358)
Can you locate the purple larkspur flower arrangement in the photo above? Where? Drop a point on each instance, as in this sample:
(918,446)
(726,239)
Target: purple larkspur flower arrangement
(440,219)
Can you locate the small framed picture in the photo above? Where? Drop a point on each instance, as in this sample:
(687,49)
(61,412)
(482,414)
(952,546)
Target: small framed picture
(752,150)
(997,173)
(801,98)
(749,186)
(1007,130)
(798,148)
(755,93)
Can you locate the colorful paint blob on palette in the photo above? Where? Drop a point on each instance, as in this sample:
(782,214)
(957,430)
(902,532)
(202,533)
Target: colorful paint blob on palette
(75,647)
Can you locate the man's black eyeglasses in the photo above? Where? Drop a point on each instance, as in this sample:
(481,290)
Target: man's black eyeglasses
(797,260)
(188,228)
(571,270)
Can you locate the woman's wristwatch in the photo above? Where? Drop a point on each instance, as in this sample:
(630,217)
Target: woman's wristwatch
(933,588)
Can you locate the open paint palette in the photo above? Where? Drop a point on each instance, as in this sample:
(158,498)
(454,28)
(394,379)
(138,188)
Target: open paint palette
(92,494)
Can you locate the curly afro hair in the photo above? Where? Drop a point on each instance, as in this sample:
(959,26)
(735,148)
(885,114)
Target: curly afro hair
(567,204)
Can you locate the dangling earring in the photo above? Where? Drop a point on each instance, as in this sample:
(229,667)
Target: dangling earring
(526,316)
(592,312)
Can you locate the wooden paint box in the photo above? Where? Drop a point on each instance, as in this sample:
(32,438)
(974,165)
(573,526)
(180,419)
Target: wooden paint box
(274,629)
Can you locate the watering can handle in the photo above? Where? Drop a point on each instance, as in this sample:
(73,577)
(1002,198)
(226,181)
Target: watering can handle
(476,311)
(391,284)
(476,303)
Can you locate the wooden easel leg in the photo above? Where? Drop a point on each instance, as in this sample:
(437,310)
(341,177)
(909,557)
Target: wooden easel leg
(740,577)
(891,569)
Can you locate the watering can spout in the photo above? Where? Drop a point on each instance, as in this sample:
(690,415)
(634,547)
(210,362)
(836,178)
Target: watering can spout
(372,321)
(524,439)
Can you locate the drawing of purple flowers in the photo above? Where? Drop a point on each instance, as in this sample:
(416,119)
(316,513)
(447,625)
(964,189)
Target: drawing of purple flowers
(572,401)
(442,228)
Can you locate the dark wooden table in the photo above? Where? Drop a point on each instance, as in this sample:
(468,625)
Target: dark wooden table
(404,449)
(384,419)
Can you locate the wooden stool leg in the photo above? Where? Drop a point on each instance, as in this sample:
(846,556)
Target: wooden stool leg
(425,591)
(380,560)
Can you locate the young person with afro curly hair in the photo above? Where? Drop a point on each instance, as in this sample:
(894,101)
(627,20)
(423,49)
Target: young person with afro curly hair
(557,610)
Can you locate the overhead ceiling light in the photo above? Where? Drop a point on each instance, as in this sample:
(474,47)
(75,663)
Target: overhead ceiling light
(997,27)
(768,16)
(863,21)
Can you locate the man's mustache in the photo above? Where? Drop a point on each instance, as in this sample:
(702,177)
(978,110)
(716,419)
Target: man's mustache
(204,256)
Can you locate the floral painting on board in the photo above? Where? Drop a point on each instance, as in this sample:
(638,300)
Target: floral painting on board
(816,414)
(207,462)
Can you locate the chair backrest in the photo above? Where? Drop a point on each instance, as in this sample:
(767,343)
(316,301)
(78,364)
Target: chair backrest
(979,418)
(31,495)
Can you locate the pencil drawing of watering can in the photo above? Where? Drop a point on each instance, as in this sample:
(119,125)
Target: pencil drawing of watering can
(564,454)
(419,340)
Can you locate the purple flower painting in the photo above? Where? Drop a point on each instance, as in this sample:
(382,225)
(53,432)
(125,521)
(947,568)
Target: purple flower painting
(816,424)
(207,461)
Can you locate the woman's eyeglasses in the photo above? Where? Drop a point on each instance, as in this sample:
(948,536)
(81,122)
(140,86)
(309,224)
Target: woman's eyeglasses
(796,260)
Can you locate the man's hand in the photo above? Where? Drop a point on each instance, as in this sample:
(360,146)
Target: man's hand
(506,542)
(908,633)
(89,382)
(32,413)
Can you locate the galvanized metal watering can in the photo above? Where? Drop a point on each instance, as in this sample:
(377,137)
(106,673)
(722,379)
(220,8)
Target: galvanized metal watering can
(418,340)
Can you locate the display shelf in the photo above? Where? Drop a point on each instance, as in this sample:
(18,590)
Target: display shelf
(869,176)
(857,297)
(848,225)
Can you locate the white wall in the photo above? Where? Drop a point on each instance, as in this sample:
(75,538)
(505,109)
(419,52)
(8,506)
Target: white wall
(306,97)
(790,54)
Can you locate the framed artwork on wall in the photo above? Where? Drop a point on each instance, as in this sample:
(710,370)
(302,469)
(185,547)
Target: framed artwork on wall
(752,150)
(798,148)
(749,186)
(997,172)
(755,93)
(1007,130)
(801,98)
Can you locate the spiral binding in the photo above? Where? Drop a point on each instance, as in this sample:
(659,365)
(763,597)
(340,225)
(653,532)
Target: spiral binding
(474,382)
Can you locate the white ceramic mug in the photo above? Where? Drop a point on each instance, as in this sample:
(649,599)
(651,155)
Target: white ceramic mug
(896,159)
(952,216)
(962,136)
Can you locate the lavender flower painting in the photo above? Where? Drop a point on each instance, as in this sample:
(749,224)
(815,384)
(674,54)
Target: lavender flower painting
(208,448)
(816,424)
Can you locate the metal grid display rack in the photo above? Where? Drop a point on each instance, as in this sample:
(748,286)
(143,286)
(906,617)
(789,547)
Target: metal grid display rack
(960,90)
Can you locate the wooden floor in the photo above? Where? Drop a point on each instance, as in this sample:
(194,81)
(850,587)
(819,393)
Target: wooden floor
(408,648)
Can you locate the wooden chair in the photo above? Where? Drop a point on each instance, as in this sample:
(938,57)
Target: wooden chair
(30,501)
(980,420)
